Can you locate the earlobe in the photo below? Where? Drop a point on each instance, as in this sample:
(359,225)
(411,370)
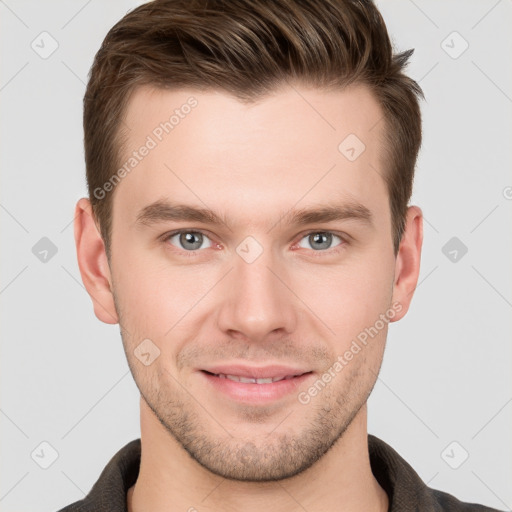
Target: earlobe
(93,263)
(407,265)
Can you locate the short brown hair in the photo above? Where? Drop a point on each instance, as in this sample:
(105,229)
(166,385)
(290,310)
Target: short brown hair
(248,48)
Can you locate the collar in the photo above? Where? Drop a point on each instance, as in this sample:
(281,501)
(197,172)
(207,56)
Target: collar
(405,489)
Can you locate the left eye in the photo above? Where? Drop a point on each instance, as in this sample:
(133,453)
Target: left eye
(319,240)
(190,240)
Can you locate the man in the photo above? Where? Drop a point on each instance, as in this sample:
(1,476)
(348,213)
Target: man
(249,165)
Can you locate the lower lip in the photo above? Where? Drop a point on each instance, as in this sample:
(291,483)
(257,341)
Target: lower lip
(255,393)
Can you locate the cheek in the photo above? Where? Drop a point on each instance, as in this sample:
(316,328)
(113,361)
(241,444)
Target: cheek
(143,292)
(155,295)
(348,298)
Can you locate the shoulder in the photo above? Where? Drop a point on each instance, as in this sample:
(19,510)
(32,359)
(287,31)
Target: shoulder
(405,489)
(109,492)
(448,503)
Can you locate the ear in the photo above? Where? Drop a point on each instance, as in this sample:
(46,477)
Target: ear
(407,264)
(93,263)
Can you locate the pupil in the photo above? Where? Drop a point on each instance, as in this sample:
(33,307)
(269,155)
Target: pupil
(322,240)
(188,238)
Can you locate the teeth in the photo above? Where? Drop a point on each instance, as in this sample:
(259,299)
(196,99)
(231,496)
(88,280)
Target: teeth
(250,380)
(247,380)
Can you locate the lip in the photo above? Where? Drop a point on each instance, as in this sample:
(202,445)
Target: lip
(253,393)
(255,372)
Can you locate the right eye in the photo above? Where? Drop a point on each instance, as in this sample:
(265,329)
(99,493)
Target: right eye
(188,240)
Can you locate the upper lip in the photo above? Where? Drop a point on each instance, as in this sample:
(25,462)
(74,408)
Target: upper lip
(255,372)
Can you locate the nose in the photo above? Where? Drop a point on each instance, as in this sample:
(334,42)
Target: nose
(256,303)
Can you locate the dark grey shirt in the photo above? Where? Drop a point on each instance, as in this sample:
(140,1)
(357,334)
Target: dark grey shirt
(405,489)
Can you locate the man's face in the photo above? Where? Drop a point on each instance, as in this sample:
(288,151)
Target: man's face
(262,292)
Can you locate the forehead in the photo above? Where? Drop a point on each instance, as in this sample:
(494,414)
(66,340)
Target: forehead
(292,111)
(296,144)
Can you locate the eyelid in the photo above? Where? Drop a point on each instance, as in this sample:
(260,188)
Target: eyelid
(166,236)
(343,237)
(330,231)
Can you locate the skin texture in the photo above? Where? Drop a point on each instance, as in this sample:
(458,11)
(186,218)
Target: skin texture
(295,304)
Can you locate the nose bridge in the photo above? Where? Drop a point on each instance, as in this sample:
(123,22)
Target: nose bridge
(255,302)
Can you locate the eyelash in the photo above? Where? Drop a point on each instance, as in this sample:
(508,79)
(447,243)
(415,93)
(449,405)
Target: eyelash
(334,250)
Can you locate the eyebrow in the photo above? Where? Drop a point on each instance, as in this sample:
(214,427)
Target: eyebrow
(165,211)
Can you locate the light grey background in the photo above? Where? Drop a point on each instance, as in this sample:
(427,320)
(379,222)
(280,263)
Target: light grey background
(446,374)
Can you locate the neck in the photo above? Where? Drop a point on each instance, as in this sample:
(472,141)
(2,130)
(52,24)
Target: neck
(170,480)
